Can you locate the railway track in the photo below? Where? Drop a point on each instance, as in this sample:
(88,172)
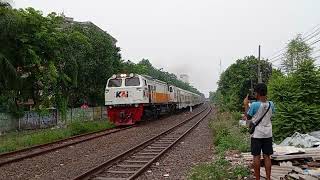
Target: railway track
(134,161)
(19,155)
(38,150)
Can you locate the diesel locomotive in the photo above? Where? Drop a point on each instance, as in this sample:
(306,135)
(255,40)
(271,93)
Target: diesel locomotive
(129,97)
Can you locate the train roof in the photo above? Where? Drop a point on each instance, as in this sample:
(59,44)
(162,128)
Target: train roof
(159,81)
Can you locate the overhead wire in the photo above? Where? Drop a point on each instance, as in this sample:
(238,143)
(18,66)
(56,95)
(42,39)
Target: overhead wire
(314,42)
(315,31)
(279,56)
(315,27)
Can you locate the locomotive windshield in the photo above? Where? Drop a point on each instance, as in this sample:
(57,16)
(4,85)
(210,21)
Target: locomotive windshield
(114,82)
(134,81)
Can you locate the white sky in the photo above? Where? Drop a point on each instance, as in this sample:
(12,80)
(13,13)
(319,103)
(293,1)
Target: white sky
(184,36)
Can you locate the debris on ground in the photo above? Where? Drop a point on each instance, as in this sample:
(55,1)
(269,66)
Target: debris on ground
(295,164)
(285,150)
(235,158)
(166,175)
(302,140)
(295,158)
(315,134)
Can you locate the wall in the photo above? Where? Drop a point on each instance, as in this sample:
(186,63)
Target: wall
(32,120)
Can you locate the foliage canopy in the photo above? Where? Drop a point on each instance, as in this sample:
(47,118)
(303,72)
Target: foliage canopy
(236,81)
(58,62)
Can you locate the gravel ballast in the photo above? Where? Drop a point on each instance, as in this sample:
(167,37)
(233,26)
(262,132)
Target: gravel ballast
(196,147)
(69,162)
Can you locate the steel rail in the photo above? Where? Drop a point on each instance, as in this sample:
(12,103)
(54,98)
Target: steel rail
(114,162)
(41,148)
(47,145)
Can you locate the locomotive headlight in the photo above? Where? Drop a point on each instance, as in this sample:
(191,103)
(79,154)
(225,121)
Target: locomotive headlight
(131,74)
(114,76)
(123,75)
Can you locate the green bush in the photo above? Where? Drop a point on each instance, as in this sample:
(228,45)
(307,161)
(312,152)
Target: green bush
(236,80)
(297,100)
(227,133)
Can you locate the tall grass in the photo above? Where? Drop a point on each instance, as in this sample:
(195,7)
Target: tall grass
(16,141)
(227,136)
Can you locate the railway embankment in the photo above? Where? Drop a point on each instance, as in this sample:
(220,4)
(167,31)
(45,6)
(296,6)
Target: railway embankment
(69,162)
(193,149)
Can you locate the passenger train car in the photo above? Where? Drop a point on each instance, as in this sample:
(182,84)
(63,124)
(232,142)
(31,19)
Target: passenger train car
(128,97)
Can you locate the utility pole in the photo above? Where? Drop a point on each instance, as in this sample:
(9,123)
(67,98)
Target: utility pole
(259,68)
(220,68)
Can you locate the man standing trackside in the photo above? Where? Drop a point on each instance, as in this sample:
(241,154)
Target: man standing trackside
(260,112)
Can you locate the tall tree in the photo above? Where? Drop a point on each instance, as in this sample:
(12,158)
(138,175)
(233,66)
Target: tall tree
(235,82)
(297,52)
(297,98)
(4,4)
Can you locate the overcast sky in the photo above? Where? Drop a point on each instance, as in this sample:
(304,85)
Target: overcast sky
(184,36)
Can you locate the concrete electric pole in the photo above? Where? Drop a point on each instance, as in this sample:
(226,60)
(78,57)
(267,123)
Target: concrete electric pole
(259,67)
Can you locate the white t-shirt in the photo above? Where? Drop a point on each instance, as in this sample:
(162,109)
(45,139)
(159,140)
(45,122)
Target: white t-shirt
(256,111)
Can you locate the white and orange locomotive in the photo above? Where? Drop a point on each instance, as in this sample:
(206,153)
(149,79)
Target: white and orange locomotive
(130,96)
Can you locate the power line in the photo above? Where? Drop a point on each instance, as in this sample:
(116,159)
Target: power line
(307,39)
(314,42)
(315,27)
(276,53)
(314,51)
(280,56)
(278,67)
(275,58)
(315,31)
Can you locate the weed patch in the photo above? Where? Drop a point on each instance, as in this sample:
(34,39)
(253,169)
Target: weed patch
(227,136)
(16,141)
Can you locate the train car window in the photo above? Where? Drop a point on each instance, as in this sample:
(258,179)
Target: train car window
(134,81)
(145,82)
(171,89)
(115,83)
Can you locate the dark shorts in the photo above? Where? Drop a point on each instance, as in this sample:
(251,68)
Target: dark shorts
(264,144)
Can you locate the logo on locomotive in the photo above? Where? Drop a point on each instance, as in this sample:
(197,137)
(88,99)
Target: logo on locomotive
(120,94)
